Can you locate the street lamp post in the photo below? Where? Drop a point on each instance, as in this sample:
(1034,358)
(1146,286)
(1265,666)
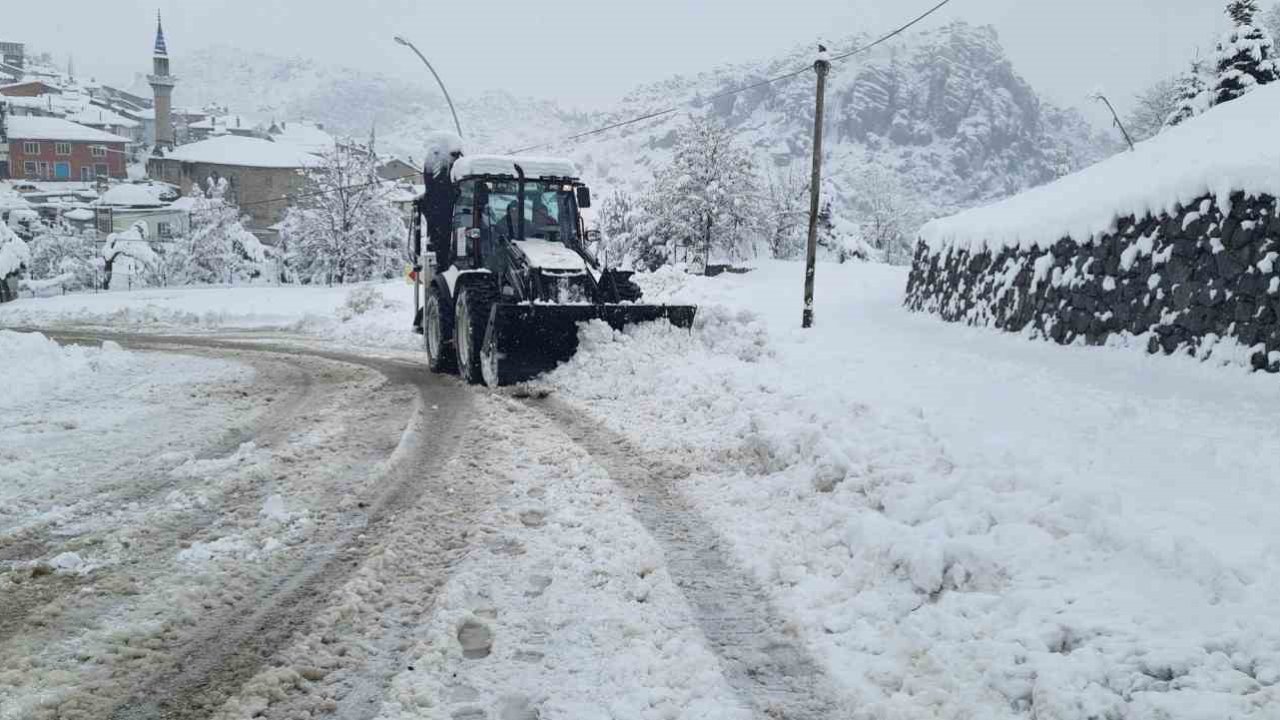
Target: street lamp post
(457,125)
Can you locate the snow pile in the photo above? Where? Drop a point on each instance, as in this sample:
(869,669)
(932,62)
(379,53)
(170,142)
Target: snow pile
(34,365)
(14,253)
(962,527)
(1231,148)
(323,312)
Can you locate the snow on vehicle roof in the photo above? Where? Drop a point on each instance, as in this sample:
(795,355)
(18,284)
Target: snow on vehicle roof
(243,152)
(47,128)
(533,167)
(1232,148)
(130,196)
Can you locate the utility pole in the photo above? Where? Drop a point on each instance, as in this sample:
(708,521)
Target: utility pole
(821,66)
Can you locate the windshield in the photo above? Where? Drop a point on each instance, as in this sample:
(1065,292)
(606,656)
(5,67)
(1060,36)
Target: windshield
(548,210)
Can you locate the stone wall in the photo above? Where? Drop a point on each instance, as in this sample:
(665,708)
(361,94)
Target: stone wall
(1196,281)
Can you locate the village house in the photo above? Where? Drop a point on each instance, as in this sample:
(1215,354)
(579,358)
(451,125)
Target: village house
(52,149)
(260,174)
(31,88)
(124,205)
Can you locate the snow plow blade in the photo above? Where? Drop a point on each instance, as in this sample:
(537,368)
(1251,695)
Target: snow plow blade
(523,341)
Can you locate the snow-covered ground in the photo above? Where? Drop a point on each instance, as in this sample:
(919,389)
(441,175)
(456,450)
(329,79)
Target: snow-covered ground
(954,522)
(374,314)
(964,523)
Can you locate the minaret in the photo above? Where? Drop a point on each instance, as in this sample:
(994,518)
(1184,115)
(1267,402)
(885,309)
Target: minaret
(162,84)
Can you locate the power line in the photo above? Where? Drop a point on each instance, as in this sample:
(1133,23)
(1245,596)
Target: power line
(738,90)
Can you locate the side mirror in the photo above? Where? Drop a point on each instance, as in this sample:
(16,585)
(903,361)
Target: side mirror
(593,236)
(584,196)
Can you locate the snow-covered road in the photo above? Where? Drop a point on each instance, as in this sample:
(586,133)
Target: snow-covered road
(887,517)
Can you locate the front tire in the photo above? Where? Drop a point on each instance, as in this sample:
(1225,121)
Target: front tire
(470,319)
(435,338)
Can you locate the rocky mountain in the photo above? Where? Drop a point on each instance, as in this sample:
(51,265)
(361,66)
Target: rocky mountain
(943,110)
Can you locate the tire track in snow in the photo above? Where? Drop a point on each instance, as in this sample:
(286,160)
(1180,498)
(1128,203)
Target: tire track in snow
(763,659)
(131,494)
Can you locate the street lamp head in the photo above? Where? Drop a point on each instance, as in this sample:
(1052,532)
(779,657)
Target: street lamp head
(401,40)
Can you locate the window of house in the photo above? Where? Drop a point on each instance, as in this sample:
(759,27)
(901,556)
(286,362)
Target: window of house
(43,169)
(62,148)
(164,230)
(31,148)
(101,170)
(86,174)
(98,150)
(29,168)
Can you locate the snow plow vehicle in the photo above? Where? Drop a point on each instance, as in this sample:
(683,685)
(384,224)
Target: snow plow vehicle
(505,284)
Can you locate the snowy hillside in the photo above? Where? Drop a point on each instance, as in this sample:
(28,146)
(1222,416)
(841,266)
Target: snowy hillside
(944,110)
(351,102)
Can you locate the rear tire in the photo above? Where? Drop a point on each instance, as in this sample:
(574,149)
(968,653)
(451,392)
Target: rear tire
(435,337)
(470,319)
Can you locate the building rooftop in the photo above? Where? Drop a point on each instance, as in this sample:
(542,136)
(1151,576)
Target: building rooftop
(130,196)
(46,128)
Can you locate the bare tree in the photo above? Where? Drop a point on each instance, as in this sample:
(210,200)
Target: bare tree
(887,215)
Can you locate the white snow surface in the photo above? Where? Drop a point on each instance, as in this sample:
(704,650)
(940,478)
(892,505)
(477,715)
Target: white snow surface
(243,152)
(129,195)
(47,128)
(551,255)
(534,167)
(1231,148)
(962,523)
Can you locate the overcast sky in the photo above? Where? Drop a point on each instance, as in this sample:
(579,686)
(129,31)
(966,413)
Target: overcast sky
(587,52)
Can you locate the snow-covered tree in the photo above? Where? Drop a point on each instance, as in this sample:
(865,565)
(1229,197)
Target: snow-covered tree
(707,194)
(1245,57)
(344,228)
(130,247)
(1153,107)
(619,222)
(217,248)
(60,251)
(15,256)
(887,215)
(787,211)
(1192,97)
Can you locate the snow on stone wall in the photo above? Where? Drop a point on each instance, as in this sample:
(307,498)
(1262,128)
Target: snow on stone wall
(1195,279)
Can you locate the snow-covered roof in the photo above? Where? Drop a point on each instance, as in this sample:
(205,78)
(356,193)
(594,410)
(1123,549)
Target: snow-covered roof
(506,165)
(79,214)
(45,128)
(1232,148)
(242,152)
(230,122)
(130,196)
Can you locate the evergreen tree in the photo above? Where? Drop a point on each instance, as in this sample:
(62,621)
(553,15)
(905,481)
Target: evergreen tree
(59,251)
(1246,55)
(706,195)
(1193,96)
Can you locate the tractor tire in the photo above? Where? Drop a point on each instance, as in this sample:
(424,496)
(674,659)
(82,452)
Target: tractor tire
(470,320)
(437,339)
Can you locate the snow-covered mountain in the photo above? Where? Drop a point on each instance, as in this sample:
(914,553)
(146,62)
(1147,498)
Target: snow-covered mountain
(944,109)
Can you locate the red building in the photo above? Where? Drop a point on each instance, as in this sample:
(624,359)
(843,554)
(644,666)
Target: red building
(42,148)
(34,88)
